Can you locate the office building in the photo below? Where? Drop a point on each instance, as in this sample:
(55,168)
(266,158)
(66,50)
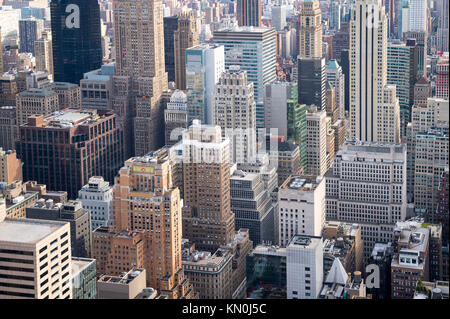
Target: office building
(170,26)
(43,51)
(140,77)
(36,102)
(420,40)
(69,94)
(442,78)
(422,91)
(434,112)
(304,263)
(336,78)
(17,198)
(124,286)
(254,50)
(208,221)
(410,262)
(431,159)
(368,43)
(316,141)
(312,82)
(301,209)
(184,37)
(29,31)
(205,64)
(249,13)
(367,185)
(8,127)
(11,167)
(148,180)
(209,274)
(35,259)
(252,206)
(175,117)
(442,211)
(266,272)
(418,15)
(71,212)
(97,88)
(84,281)
(342,241)
(278,17)
(76,39)
(285,157)
(8,90)
(310,30)
(91,139)
(96,197)
(235,112)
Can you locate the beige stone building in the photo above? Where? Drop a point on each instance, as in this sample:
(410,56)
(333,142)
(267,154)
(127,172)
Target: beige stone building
(185,37)
(36,102)
(10,167)
(316,141)
(310,33)
(44,53)
(35,259)
(125,286)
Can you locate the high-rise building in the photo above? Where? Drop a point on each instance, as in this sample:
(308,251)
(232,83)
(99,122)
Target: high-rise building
(175,117)
(205,64)
(442,31)
(431,159)
(96,197)
(316,141)
(336,78)
(30,30)
(254,50)
(435,112)
(76,39)
(8,90)
(312,82)
(90,140)
(249,13)
(155,209)
(422,91)
(84,281)
(97,88)
(418,15)
(35,102)
(310,30)
(367,185)
(140,77)
(304,267)
(301,210)
(235,112)
(43,52)
(252,206)
(285,157)
(71,212)
(370,106)
(28,248)
(184,37)
(170,26)
(279,17)
(420,40)
(8,127)
(442,211)
(208,221)
(10,168)
(442,78)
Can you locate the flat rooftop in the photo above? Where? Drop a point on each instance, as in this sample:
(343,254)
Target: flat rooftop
(27,231)
(301,183)
(305,241)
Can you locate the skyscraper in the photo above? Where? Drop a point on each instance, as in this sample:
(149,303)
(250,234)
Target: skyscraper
(235,113)
(207,220)
(146,201)
(29,31)
(140,76)
(44,53)
(249,12)
(368,74)
(254,50)
(76,38)
(418,15)
(170,26)
(310,30)
(184,37)
(312,82)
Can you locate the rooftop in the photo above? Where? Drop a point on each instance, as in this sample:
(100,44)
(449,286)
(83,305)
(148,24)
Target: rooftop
(301,183)
(123,279)
(27,231)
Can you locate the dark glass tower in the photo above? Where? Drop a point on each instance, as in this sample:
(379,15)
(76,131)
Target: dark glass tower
(76,38)
(170,26)
(311,82)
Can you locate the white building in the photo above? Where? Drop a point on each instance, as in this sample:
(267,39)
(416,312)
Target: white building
(304,267)
(279,17)
(235,112)
(367,185)
(35,259)
(9,23)
(316,141)
(97,198)
(368,75)
(418,15)
(301,208)
(205,63)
